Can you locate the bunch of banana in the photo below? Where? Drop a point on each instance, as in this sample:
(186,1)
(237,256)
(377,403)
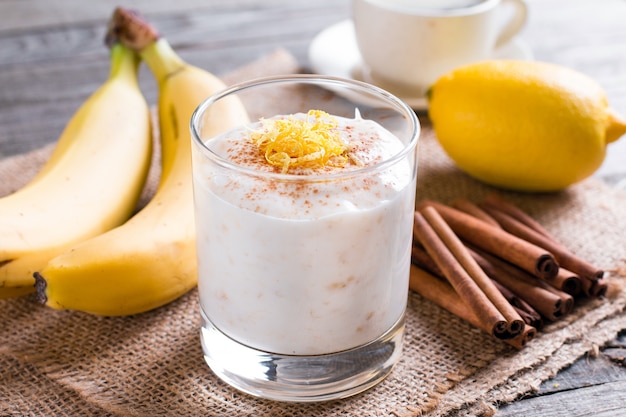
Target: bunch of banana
(150,260)
(90,184)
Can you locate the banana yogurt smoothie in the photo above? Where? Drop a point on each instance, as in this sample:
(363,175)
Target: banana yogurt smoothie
(305,243)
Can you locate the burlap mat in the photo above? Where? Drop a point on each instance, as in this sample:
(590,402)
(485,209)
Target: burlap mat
(65,363)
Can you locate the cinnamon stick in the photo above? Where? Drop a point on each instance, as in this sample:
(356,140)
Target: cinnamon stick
(525,310)
(526,255)
(518,225)
(567,281)
(523,338)
(500,204)
(493,321)
(444,295)
(526,286)
(530,316)
(421,258)
(597,288)
(567,304)
(461,256)
(472,209)
(466,260)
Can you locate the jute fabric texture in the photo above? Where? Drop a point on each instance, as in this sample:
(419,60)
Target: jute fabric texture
(64,363)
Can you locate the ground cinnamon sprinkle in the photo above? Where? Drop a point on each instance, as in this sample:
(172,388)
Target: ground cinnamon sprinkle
(323,187)
(357,149)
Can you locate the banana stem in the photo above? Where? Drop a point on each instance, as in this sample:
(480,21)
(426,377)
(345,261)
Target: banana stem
(162,59)
(129,28)
(124,63)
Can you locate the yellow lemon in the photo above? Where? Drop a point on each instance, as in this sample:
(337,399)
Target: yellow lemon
(523,125)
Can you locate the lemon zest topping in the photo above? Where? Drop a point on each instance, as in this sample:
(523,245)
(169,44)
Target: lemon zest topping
(312,142)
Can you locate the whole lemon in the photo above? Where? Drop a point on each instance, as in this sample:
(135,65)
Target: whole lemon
(523,125)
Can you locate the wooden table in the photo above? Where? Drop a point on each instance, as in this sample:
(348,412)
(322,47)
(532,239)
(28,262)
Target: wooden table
(52,57)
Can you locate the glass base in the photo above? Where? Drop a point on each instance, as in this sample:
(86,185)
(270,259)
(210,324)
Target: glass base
(301,378)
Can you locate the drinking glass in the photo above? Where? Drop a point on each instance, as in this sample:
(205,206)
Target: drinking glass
(303,276)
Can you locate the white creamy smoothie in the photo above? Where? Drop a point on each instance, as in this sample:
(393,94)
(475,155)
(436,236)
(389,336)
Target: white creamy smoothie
(304,259)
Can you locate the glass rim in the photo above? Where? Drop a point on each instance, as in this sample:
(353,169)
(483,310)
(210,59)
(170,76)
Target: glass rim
(313,79)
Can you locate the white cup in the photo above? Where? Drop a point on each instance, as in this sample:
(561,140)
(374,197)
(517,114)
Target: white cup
(406,45)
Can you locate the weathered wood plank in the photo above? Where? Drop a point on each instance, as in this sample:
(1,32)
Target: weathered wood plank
(603,400)
(585,372)
(20,15)
(576,389)
(205,28)
(219,38)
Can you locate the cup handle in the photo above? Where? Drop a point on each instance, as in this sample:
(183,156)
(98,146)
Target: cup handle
(515,23)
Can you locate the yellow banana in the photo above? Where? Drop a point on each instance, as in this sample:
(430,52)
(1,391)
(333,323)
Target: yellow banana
(151,259)
(91,183)
(17,275)
(15,292)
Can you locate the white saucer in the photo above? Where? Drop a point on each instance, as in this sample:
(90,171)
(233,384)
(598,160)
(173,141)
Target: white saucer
(334,52)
